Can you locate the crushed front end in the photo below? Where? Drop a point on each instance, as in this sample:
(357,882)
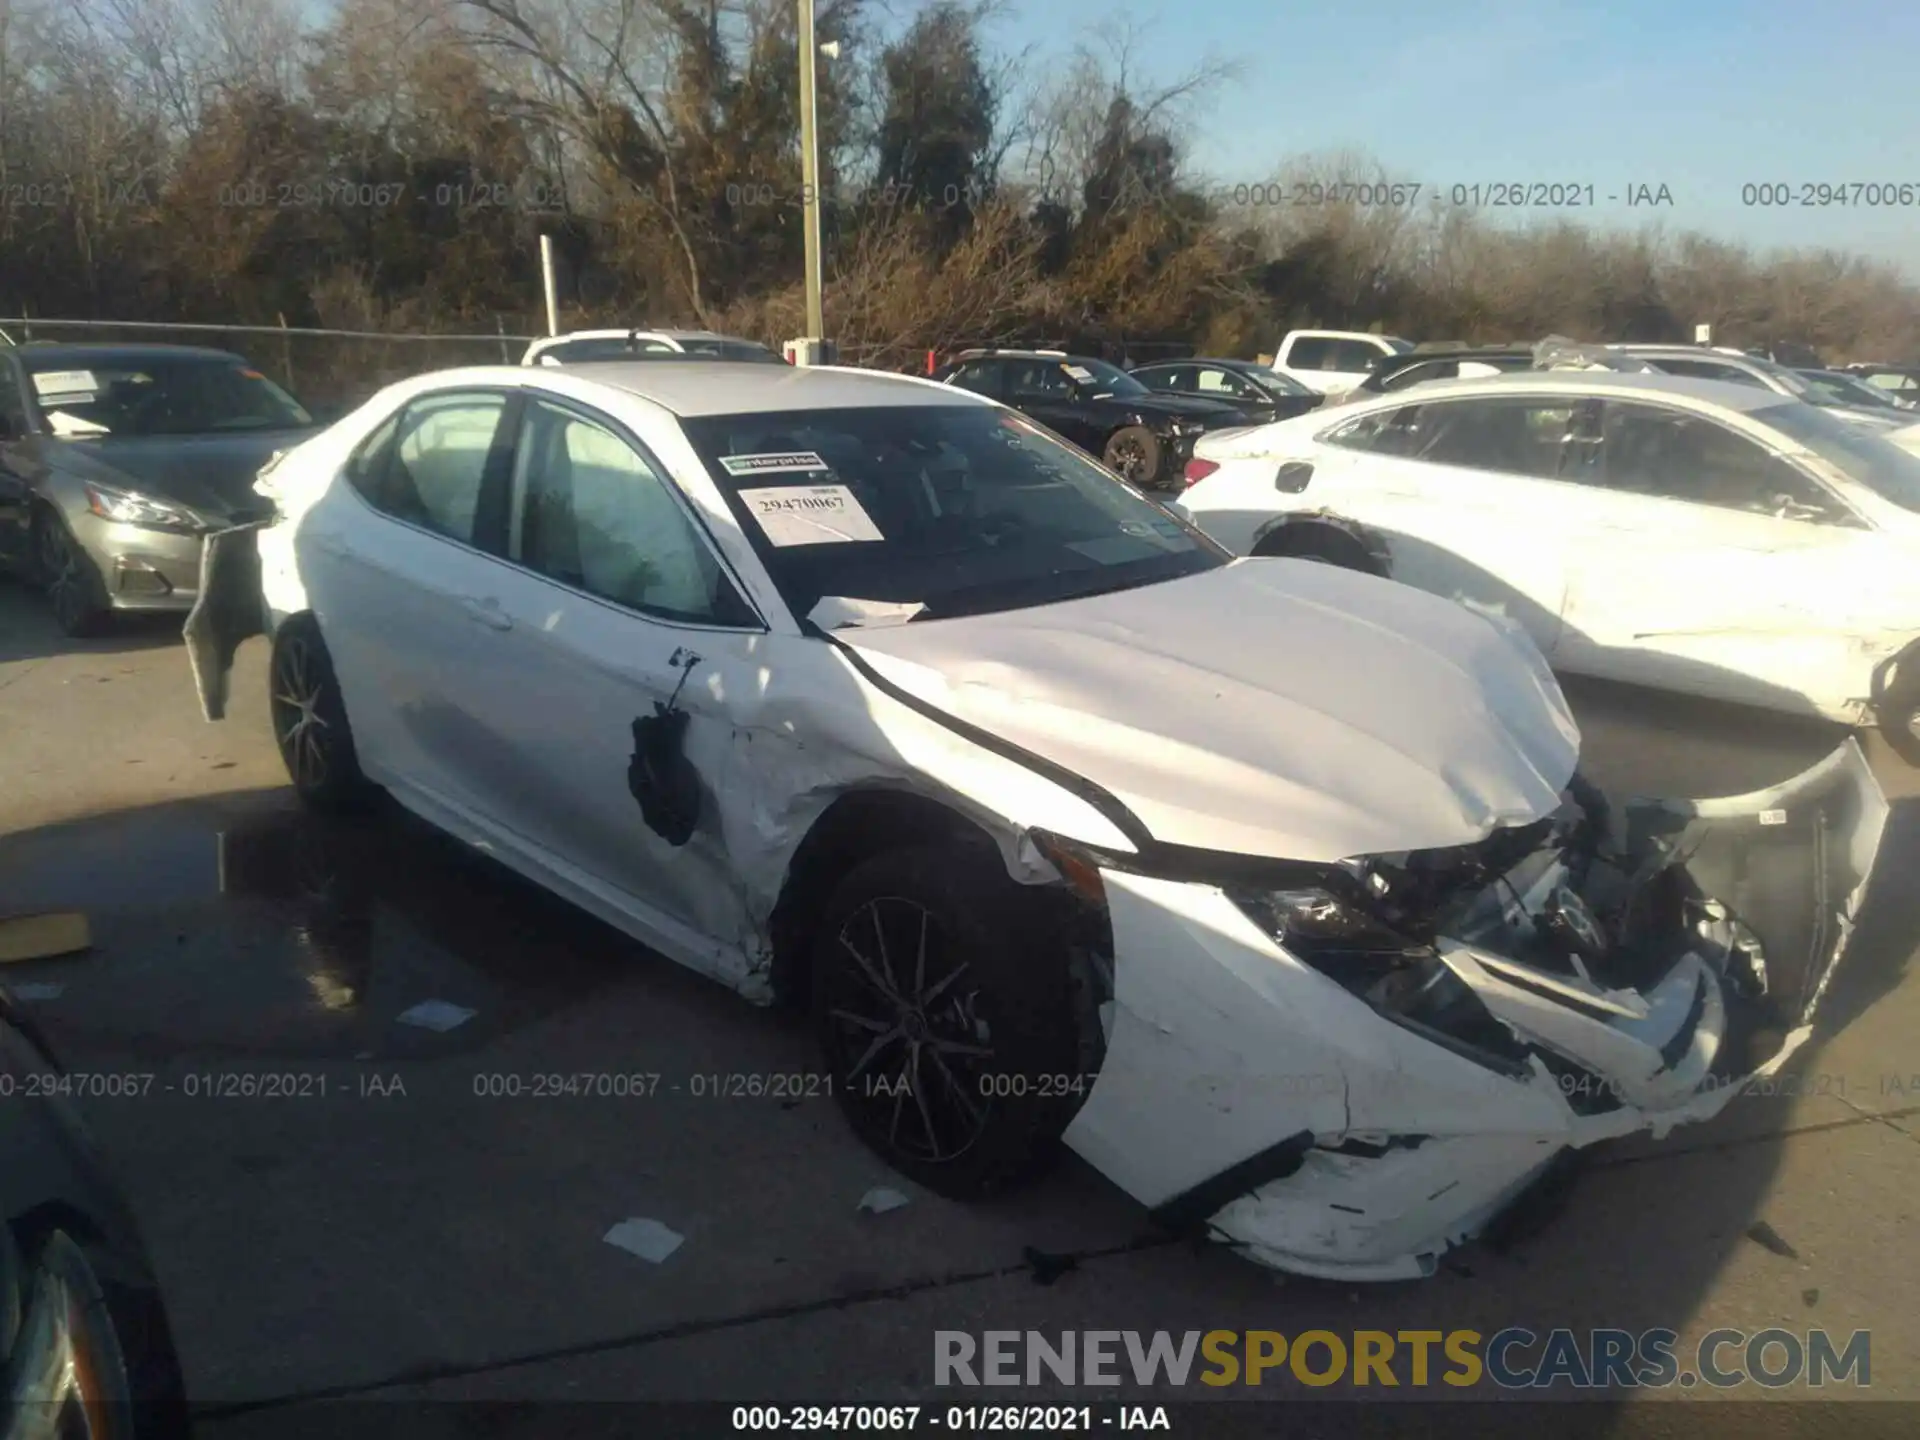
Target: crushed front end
(1346,1074)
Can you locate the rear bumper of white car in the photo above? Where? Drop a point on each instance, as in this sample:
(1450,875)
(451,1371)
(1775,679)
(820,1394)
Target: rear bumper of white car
(1322,1133)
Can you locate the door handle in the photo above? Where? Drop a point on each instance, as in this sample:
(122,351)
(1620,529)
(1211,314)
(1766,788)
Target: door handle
(487,611)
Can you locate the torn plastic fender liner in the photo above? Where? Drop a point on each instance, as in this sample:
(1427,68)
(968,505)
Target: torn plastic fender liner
(230,609)
(1793,862)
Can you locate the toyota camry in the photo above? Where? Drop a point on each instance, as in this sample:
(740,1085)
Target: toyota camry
(1270,888)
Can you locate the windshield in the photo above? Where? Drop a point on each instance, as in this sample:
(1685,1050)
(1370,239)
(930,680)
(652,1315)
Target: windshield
(964,509)
(1100,378)
(1274,380)
(117,397)
(1845,390)
(730,350)
(620,347)
(1862,452)
(1397,345)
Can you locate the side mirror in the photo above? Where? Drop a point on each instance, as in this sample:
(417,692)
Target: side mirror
(1293,476)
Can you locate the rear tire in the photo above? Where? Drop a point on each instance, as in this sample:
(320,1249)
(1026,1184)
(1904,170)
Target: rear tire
(66,573)
(310,720)
(947,1016)
(1134,454)
(1897,708)
(1320,545)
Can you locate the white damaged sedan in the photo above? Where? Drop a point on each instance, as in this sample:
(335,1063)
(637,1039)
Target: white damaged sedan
(1268,887)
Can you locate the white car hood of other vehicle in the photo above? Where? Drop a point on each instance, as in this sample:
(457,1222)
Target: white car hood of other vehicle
(1275,708)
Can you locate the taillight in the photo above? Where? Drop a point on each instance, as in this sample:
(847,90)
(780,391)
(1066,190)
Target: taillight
(1198,470)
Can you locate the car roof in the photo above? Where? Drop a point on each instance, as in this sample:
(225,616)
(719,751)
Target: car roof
(694,388)
(83,354)
(1222,361)
(1705,352)
(643,333)
(991,354)
(1726,394)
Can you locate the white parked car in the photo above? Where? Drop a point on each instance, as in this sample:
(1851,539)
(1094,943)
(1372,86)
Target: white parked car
(1268,888)
(1690,535)
(587,345)
(1332,362)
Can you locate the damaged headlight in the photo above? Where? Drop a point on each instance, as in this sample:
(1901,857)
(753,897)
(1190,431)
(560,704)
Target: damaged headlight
(1321,922)
(1402,978)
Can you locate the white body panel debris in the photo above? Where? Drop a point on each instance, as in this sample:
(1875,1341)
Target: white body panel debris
(436,1015)
(652,1241)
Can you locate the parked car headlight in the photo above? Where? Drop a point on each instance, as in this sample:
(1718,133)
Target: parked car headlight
(130,507)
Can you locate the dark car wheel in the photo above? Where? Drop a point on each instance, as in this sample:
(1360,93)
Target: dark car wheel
(310,720)
(1321,545)
(69,577)
(1134,454)
(1896,709)
(91,1359)
(946,1012)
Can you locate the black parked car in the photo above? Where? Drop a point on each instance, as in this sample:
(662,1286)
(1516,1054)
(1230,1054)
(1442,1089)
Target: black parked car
(1261,395)
(1144,437)
(85,1346)
(1397,372)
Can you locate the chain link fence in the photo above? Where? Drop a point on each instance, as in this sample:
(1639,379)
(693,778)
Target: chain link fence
(339,368)
(331,368)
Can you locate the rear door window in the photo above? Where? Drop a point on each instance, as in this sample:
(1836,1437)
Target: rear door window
(1676,455)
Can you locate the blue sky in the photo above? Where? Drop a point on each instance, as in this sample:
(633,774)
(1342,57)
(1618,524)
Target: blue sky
(1702,96)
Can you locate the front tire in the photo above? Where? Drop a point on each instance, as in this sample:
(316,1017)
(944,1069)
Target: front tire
(310,720)
(946,1013)
(72,582)
(1134,454)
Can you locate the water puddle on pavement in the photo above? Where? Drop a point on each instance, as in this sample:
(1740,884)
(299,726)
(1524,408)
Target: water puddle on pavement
(244,927)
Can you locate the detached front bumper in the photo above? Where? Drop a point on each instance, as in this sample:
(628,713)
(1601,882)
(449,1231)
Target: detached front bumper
(1245,1090)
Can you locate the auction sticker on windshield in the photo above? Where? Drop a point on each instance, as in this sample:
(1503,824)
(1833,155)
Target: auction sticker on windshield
(810,515)
(65,384)
(787,462)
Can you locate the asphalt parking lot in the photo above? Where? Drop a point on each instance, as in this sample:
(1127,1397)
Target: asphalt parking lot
(391,1230)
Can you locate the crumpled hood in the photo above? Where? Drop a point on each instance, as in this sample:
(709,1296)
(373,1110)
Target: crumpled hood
(1273,707)
(211,474)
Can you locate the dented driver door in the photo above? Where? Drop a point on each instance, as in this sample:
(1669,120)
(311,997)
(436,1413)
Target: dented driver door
(620,642)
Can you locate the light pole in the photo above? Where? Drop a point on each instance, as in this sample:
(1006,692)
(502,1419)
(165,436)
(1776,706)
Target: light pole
(810,167)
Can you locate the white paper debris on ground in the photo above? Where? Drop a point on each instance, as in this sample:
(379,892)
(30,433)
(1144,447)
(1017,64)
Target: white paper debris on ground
(438,1015)
(649,1239)
(38,990)
(880,1199)
(841,612)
